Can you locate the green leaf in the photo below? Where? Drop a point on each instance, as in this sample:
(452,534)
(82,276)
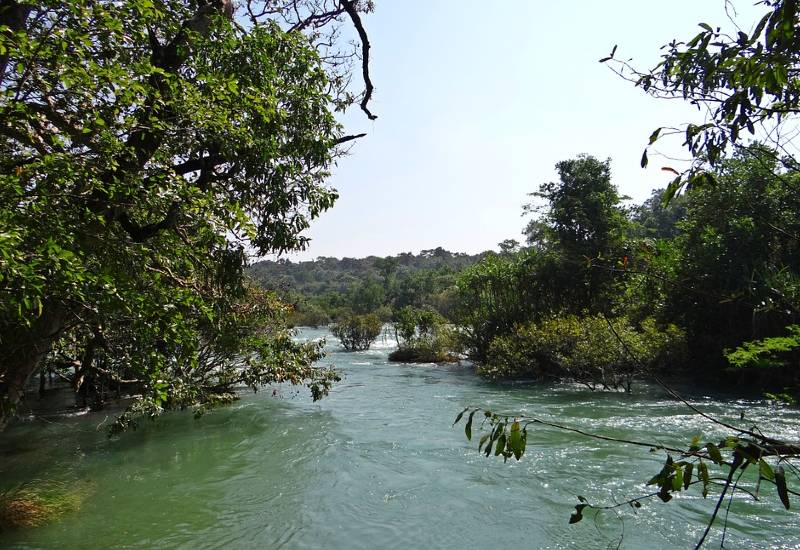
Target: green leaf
(468,427)
(577,515)
(713,453)
(515,440)
(677,480)
(704,477)
(501,444)
(654,136)
(765,470)
(671,191)
(780,483)
(687,475)
(460,415)
(701,179)
(760,27)
(644,159)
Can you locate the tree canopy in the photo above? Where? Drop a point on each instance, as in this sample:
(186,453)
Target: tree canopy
(146,148)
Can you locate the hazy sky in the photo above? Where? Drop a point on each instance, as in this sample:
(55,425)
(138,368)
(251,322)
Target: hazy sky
(477,101)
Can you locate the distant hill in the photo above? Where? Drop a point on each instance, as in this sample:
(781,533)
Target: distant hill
(332,275)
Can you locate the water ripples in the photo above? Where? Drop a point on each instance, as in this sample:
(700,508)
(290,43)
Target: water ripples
(377,464)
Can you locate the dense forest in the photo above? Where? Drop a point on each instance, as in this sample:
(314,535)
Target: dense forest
(324,289)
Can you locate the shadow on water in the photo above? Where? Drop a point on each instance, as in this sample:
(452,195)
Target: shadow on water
(177,482)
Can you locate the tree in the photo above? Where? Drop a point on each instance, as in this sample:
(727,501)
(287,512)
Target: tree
(423,336)
(742,82)
(508,246)
(357,332)
(656,220)
(578,236)
(144,146)
(580,225)
(738,261)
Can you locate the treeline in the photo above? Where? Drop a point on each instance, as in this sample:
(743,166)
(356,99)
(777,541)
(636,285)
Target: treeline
(602,292)
(329,289)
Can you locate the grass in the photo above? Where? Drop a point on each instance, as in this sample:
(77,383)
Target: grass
(38,502)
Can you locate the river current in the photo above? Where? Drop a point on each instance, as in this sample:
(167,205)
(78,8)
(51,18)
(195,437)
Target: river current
(376,464)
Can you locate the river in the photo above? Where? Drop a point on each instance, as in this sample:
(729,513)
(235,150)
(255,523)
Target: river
(377,465)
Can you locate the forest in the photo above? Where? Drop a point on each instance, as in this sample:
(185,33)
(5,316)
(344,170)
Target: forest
(672,280)
(153,154)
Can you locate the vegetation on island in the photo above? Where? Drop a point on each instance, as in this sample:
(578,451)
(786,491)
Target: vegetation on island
(423,336)
(357,332)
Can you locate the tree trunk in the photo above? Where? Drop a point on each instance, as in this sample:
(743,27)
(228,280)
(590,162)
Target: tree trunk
(13,15)
(21,352)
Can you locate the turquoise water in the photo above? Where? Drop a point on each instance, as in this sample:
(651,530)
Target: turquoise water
(378,465)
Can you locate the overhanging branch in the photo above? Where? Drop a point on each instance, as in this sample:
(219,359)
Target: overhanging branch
(350,8)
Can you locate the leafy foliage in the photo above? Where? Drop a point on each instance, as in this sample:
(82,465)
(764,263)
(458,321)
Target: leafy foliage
(592,350)
(144,147)
(772,352)
(683,468)
(357,332)
(423,336)
(737,264)
(743,80)
(329,287)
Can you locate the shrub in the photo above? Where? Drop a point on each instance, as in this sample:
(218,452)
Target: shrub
(423,336)
(309,315)
(357,332)
(585,349)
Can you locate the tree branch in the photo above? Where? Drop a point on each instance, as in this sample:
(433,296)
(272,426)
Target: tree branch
(350,8)
(345,139)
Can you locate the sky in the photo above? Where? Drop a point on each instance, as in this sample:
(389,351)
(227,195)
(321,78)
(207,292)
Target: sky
(477,101)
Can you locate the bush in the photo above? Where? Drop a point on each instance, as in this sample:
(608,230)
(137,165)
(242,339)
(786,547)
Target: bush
(585,349)
(423,336)
(309,315)
(357,332)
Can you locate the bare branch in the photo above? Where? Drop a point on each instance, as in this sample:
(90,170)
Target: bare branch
(349,6)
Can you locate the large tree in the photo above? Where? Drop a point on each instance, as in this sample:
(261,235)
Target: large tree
(581,227)
(144,148)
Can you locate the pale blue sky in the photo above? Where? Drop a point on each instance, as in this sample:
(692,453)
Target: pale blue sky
(478,100)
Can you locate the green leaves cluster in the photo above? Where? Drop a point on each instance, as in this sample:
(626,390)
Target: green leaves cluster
(768,352)
(505,438)
(357,332)
(744,79)
(144,147)
(593,350)
(709,465)
(423,336)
